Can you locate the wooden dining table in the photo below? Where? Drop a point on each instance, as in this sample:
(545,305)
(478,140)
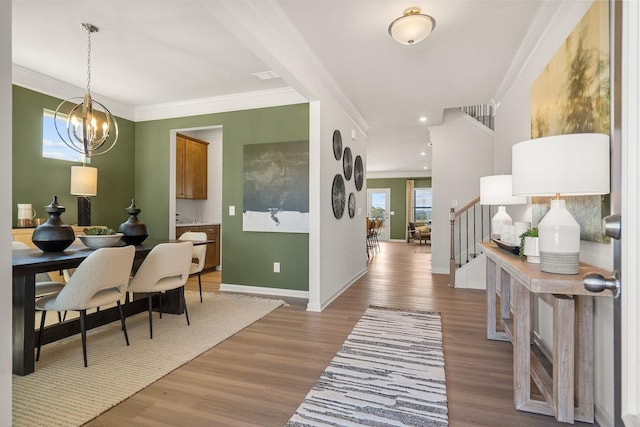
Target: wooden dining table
(29,262)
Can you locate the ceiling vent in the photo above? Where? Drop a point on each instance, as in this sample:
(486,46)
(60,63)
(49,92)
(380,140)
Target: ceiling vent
(266,75)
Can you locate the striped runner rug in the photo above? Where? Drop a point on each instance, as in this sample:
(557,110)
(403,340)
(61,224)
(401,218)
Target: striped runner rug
(389,372)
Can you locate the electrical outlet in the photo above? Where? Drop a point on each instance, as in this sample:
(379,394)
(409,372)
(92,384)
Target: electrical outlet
(276,267)
(232,210)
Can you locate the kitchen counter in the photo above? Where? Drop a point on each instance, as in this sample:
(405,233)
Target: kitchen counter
(195,224)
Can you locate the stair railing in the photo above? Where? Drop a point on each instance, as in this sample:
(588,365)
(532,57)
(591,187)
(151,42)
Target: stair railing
(470,225)
(484,113)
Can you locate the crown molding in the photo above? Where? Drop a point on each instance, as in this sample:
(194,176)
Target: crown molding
(548,10)
(38,82)
(219,104)
(47,85)
(266,30)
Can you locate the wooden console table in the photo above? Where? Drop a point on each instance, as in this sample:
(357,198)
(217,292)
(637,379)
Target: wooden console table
(568,389)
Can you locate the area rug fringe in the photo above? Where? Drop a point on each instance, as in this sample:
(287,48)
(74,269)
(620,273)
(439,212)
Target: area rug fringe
(62,392)
(389,372)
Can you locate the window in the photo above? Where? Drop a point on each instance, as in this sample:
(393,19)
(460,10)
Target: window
(52,145)
(422,204)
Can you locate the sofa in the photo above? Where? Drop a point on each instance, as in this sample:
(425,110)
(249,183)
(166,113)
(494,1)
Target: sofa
(419,231)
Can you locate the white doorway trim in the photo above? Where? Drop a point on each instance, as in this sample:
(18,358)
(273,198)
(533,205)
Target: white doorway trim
(630,242)
(386,226)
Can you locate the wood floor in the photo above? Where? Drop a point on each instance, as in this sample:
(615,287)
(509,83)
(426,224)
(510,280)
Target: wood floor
(259,376)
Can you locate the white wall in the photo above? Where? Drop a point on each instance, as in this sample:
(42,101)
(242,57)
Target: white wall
(5,215)
(341,252)
(462,153)
(512,126)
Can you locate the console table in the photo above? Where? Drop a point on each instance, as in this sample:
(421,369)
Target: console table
(566,387)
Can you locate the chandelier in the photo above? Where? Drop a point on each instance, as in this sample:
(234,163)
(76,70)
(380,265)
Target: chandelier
(90,128)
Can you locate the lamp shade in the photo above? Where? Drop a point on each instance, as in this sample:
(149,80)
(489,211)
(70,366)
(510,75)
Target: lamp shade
(84,181)
(497,190)
(412,27)
(573,165)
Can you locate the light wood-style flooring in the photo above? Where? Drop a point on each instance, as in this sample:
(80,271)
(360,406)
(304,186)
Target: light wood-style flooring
(259,376)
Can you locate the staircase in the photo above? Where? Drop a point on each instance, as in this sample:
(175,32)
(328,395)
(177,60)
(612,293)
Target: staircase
(470,225)
(483,113)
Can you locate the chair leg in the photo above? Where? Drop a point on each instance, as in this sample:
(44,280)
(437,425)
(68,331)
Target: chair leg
(83,332)
(160,303)
(124,325)
(42,317)
(184,302)
(150,317)
(59,317)
(200,286)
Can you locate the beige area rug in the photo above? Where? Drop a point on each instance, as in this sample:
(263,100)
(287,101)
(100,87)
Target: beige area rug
(62,392)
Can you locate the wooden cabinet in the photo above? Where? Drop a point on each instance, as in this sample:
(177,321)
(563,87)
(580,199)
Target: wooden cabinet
(191,168)
(212,258)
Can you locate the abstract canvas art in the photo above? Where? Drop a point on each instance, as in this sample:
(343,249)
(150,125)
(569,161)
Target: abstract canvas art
(571,95)
(276,187)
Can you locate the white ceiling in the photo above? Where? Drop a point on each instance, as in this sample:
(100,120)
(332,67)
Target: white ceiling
(150,52)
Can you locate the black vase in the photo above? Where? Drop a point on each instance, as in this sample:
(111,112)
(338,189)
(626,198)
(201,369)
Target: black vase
(53,235)
(134,232)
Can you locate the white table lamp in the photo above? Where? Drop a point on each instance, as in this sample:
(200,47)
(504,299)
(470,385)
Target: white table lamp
(570,165)
(84,183)
(496,190)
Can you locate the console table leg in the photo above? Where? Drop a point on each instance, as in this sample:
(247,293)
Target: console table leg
(563,357)
(584,359)
(522,348)
(494,274)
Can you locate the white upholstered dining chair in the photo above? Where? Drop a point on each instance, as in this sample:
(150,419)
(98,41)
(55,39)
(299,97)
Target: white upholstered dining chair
(199,253)
(165,268)
(99,280)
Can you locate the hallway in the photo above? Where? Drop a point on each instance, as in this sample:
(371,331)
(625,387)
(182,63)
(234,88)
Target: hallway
(259,376)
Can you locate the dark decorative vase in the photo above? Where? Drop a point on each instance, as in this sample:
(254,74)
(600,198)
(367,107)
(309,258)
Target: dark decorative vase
(134,232)
(53,235)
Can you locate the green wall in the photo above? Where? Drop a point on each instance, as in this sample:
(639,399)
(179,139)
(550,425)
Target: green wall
(141,156)
(36,179)
(247,257)
(398,190)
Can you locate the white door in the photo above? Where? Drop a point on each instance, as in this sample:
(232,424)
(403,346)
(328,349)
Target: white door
(378,202)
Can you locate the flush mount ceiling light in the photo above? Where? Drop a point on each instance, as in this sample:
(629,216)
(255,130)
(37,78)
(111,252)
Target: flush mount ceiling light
(412,27)
(82,119)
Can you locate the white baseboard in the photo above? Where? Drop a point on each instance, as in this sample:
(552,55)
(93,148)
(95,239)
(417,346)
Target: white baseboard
(259,290)
(325,303)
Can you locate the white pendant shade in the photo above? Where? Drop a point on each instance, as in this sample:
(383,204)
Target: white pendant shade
(411,28)
(572,165)
(84,181)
